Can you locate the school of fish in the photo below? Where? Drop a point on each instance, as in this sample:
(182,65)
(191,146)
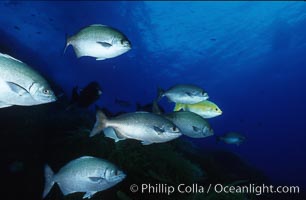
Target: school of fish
(22,85)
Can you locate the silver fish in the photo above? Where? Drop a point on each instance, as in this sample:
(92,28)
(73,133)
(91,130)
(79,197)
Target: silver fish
(190,124)
(21,85)
(144,126)
(184,93)
(232,138)
(85,174)
(99,41)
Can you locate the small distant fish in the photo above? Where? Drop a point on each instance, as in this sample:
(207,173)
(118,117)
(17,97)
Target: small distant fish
(99,41)
(87,96)
(213,39)
(146,127)
(232,138)
(190,124)
(17,28)
(21,85)
(187,94)
(205,109)
(122,103)
(85,174)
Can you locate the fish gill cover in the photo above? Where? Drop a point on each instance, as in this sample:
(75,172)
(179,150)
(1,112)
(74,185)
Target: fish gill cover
(248,56)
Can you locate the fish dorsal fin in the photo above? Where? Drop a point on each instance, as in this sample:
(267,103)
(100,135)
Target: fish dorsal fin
(10,57)
(83,157)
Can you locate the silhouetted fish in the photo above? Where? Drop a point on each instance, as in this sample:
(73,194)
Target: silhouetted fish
(86,96)
(232,138)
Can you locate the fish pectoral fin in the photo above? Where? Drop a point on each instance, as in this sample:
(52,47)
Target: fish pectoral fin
(196,129)
(146,142)
(159,130)
(89,194)
(17,88)
(113,134)
(105,44)
(96,179)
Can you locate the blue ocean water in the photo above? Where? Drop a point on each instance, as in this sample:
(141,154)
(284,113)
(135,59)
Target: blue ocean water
(249,56)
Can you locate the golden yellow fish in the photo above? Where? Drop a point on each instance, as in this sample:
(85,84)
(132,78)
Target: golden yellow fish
(206,109)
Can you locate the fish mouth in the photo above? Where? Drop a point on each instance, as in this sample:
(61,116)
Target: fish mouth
(206,96)
(174,134)
(52,99)
(45,100)
(121,176)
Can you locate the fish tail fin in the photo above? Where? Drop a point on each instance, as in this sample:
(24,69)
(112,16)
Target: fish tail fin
(49,182)
(100,124)
(179,106)
(160,93)
(68,42)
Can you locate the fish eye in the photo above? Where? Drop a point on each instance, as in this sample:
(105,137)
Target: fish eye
(45,91)
(124,42)
(174,129)
(216,109)
(116,172)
